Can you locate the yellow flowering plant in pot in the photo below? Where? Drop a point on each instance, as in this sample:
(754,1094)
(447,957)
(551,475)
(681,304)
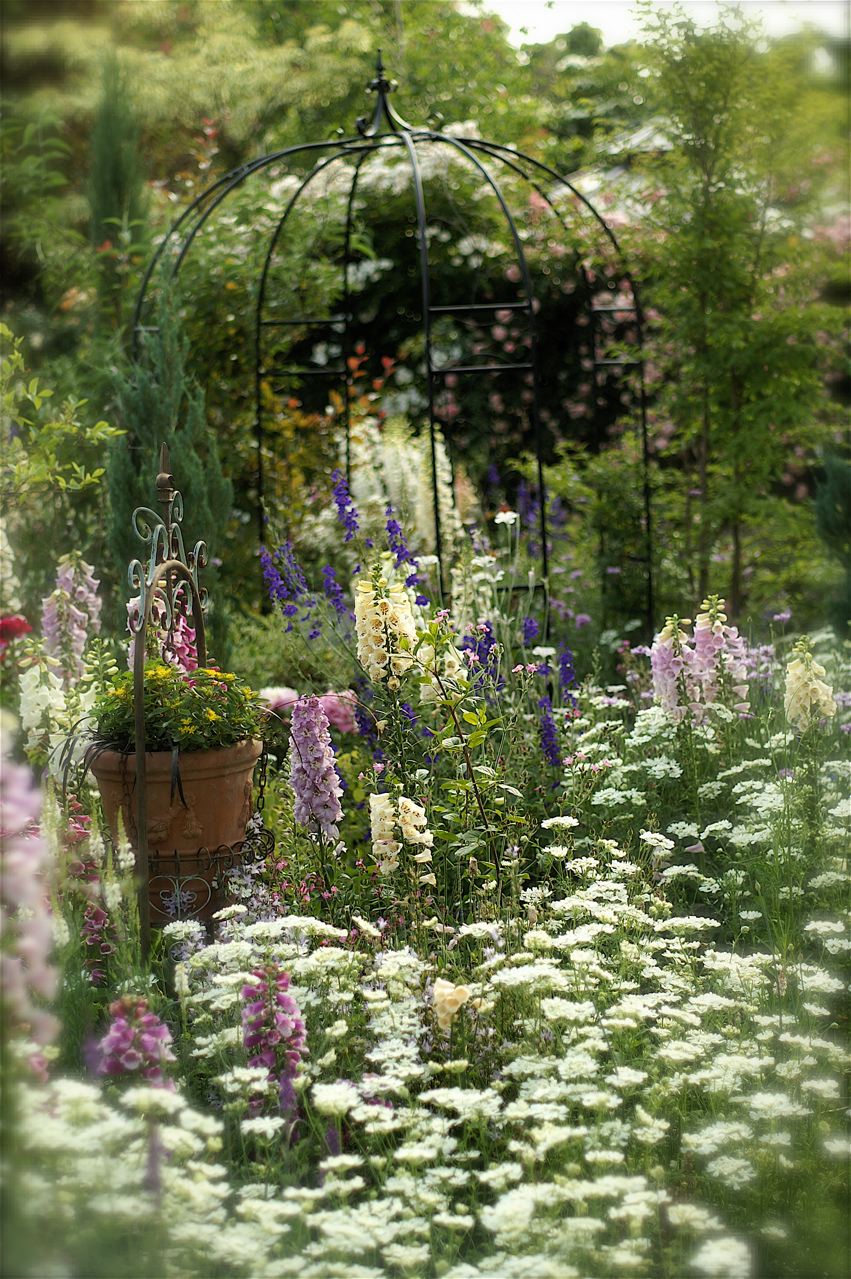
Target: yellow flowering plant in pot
(203,737)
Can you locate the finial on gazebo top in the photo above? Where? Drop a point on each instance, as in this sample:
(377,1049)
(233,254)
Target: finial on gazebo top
(384,118)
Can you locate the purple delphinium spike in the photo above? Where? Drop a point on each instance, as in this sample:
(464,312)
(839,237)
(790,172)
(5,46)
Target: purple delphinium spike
(136,1045)
(334,592)
(531,630)
(566,674)
(549,733)
(287,585)
(399,548)
(346,510)
(312,773)
(273,1032)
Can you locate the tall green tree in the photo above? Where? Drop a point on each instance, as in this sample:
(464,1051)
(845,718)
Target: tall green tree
(731,276)
(116,190)
(158,401)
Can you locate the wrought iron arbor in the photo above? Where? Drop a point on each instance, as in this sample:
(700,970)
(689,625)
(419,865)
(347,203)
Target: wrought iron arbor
(382,134)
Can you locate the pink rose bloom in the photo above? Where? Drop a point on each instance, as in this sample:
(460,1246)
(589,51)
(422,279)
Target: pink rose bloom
(279,700)
(340,710)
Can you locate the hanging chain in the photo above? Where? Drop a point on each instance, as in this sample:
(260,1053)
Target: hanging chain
(263,768)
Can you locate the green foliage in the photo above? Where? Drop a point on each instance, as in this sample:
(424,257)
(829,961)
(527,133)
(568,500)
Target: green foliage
(116,189)
(266,654)
(50,472)
(159,402)
(833,520)
(203,710)
(736,343)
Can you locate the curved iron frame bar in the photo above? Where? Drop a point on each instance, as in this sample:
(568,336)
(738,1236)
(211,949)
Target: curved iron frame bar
(490,148)
(373,137)
(259,369)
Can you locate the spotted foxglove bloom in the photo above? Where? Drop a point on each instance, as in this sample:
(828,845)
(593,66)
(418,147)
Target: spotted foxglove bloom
(177,646)
(385,844)
(312,773)
(389,820)
(43,708)
(273,1031)
(137,1043)
(718,666)
(669,657)
(808,698)
(70,615)
(448,999)
(385,630)
(27,978)
(10,589)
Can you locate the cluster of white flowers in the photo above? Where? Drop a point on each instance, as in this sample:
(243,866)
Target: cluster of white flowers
(443,671)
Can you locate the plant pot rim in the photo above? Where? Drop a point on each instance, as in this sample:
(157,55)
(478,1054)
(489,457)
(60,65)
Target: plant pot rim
(109,759)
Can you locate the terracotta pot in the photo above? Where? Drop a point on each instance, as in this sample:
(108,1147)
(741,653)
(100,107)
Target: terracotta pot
(216,784)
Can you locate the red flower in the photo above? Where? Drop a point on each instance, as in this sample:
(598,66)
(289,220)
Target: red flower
(12,626)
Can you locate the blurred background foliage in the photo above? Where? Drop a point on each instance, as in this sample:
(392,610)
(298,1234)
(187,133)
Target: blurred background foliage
(717,156)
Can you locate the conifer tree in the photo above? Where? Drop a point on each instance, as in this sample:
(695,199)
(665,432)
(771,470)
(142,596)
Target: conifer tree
(159,401)
(116,190)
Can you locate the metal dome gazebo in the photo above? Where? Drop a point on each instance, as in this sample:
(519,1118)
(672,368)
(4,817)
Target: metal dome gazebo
(385,131)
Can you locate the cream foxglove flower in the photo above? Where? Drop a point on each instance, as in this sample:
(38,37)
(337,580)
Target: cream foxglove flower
(808,698)
(384,624)
(448,999)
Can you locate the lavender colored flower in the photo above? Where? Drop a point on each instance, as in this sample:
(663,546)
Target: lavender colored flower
(137,1043)
(346,511)
(312,772)
(70,615)
(549,733)
(527,503)
(558,514)
(27,978)
(273,1032)
(481,642)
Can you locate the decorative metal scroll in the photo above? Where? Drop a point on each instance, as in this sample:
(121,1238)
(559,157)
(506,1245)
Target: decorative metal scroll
(182,885)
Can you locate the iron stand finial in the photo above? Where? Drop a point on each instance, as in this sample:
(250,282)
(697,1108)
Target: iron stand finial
(165,485)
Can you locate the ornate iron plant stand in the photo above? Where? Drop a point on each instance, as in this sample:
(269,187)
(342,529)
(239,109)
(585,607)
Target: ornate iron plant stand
(166,588)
